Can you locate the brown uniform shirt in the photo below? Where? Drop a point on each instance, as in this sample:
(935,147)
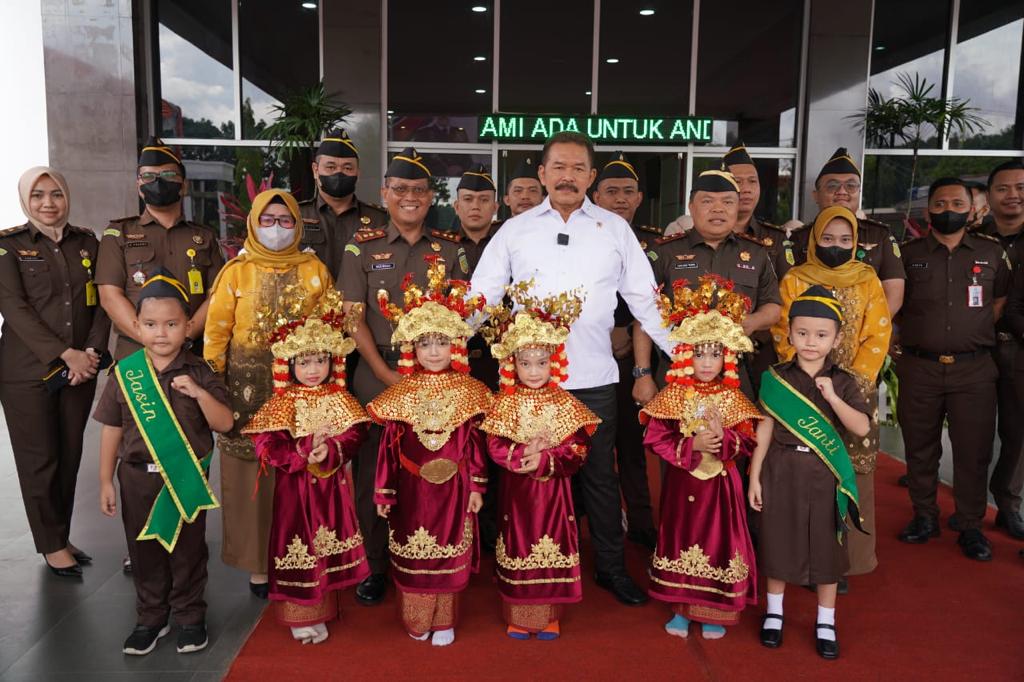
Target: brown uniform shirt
(112,409)
(380,259)
(843,382)
(1010,244)
(473,249)
(43,300)
(935,316)
(740,258)
(875,246)
(134,249)
(773,238)
(327,232)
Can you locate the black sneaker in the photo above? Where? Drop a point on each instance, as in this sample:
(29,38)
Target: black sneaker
(192,638)
(143,639)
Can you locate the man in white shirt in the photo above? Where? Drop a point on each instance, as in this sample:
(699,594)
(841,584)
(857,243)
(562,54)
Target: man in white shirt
(564,243)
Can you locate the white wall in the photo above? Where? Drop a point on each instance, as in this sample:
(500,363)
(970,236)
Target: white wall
(23,116)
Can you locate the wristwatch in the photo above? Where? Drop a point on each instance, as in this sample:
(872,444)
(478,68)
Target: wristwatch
(639,372)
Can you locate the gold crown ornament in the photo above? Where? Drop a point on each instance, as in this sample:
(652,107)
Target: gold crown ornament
(536,323)
(442,308)
(709,315)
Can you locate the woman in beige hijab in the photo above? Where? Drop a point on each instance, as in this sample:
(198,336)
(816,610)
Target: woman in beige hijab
(53,336)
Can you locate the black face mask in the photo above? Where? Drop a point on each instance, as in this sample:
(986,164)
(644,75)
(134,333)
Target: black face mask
(947,222)
(338,185)
(833,256)
(161,192)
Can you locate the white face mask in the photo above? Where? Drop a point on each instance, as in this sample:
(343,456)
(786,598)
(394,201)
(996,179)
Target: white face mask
(275,237)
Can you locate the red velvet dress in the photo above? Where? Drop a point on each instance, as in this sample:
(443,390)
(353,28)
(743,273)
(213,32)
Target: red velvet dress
(431,458)
(704,563)
(316,548)
(537,552)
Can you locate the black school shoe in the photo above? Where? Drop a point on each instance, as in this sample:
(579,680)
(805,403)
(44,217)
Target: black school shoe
(827,648)
(143,640)
(771,637)
(372,589)
(192,638)
(975,545)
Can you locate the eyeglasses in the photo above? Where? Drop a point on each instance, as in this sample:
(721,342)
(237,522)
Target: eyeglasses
(851,186)
(173,176)
(402,190)
(267,220)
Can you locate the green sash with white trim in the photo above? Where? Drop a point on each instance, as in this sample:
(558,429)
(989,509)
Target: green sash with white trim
(804,420)
(186,491)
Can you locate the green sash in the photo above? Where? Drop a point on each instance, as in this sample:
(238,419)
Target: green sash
(805,421)
(186,491)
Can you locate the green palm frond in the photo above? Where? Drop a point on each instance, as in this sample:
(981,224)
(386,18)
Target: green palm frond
(303,117)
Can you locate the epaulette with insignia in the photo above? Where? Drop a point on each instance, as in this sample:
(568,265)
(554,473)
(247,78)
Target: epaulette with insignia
(652,229)
(13,230)
(447,236)
(376,206)
(770,226)
(363,236)
(751,238)
(125,219)
(82,230)
(872,221)
(986,236)
(670,238)
(911,240)
(306,202)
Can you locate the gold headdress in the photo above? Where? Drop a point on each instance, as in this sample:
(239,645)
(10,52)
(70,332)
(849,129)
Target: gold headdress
(322,331)
(440,309)
(538,323)
(710,314)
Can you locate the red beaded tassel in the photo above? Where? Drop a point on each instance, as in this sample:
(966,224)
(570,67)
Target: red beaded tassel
(339,370)
(507,375)
(282,377)
(559,364)
(460,356)
(407,362)
(681,371)
(732,377)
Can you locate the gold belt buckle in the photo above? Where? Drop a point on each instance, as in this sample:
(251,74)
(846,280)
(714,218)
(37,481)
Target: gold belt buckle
(946,359)
(438,471)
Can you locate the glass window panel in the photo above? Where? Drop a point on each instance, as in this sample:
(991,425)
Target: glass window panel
(436,96)
(909,38)
(987,71)
(652,74)
(663,182)
(447,170)
(776,177)
(748,70)
(886,188)
(194,79)
(546,55)
(279,47)
(508,159)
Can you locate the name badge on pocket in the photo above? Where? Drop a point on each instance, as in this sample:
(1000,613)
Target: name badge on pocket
(152,469)
(975,297)
(90,293)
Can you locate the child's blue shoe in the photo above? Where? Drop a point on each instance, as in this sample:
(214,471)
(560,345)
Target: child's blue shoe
(678,627)
(709,631)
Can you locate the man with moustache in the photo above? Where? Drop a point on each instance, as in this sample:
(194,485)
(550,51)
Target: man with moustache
(618,190)
(523,190)
(331,218)
(568,243)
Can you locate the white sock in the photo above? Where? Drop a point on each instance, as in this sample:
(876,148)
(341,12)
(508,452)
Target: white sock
(828,617)
(443,637)
(774,609)
(321,633)
(420,638)
(304,634)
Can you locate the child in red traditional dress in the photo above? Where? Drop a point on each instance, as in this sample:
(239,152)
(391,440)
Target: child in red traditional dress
(308,431)
(431,471)
(700,423)
(540,434)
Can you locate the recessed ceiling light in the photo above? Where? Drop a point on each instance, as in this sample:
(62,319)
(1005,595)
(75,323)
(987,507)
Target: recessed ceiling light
(479,58)
(612,60)
(879,48)
(479,8)
(587,93)
(309,5)
(646,12)
(391,111)
(480,91)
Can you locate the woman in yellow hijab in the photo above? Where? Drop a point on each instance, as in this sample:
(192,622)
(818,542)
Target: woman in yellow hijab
(863,345)
(271,282)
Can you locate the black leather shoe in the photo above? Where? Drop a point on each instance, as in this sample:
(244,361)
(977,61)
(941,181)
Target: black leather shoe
(646,538)
(975,545)
(827,648)
(1011,523)
(920,530)
(372,589)
(771,637)
(72,571)
(261,590)
(903,481)
(81,557)
(623,587)
(954,523)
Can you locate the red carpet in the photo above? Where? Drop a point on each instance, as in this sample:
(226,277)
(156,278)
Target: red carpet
(927,613)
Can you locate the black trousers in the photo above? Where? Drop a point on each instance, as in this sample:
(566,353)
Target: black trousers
(597,483)
(1008,474)
(46,436)
(631,454)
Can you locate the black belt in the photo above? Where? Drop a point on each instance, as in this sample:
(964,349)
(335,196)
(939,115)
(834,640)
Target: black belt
(139,465)
(946,358)
(389,354)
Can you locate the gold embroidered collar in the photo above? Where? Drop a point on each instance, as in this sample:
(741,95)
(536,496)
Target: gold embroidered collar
(531,411)
(303,410)
(434,404)
(689,404)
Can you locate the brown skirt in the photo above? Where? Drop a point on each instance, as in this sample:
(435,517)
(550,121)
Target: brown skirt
(797,540)
(860,547)
(246,519)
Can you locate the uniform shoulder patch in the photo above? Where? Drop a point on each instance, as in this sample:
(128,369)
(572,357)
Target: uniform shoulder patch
(651,229)
(979,235)
(111,232)
(124,220)
(770,226)
(453,237)
(911,240)
(363,236)
(873,222)
(670,238)
(13,230)
(751,238)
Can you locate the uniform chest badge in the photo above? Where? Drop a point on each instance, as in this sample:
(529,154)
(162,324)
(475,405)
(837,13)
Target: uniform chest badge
(745,256)
(135,236)
(196,239)
(83,253)
(685,256)
(435,246)
(868,247)
(643,244)
(365,220)
(380,256)
(767,241)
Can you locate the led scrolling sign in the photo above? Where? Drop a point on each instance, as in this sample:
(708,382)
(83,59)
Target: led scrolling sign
(601,129)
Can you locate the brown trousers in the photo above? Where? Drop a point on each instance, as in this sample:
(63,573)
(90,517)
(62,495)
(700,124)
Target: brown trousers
(964,394)
(1008,475)
(630,454)
(166,583)
(46,436)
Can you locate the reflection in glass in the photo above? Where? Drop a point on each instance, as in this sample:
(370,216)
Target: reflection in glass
(546,56)
(748,69)
(652,74)
(447,170)
(987,70)
(439,69)
(195,78)
(279,48)
(776,177)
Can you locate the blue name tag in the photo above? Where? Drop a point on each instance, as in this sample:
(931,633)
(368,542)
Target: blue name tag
(382,266)
(685,266)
